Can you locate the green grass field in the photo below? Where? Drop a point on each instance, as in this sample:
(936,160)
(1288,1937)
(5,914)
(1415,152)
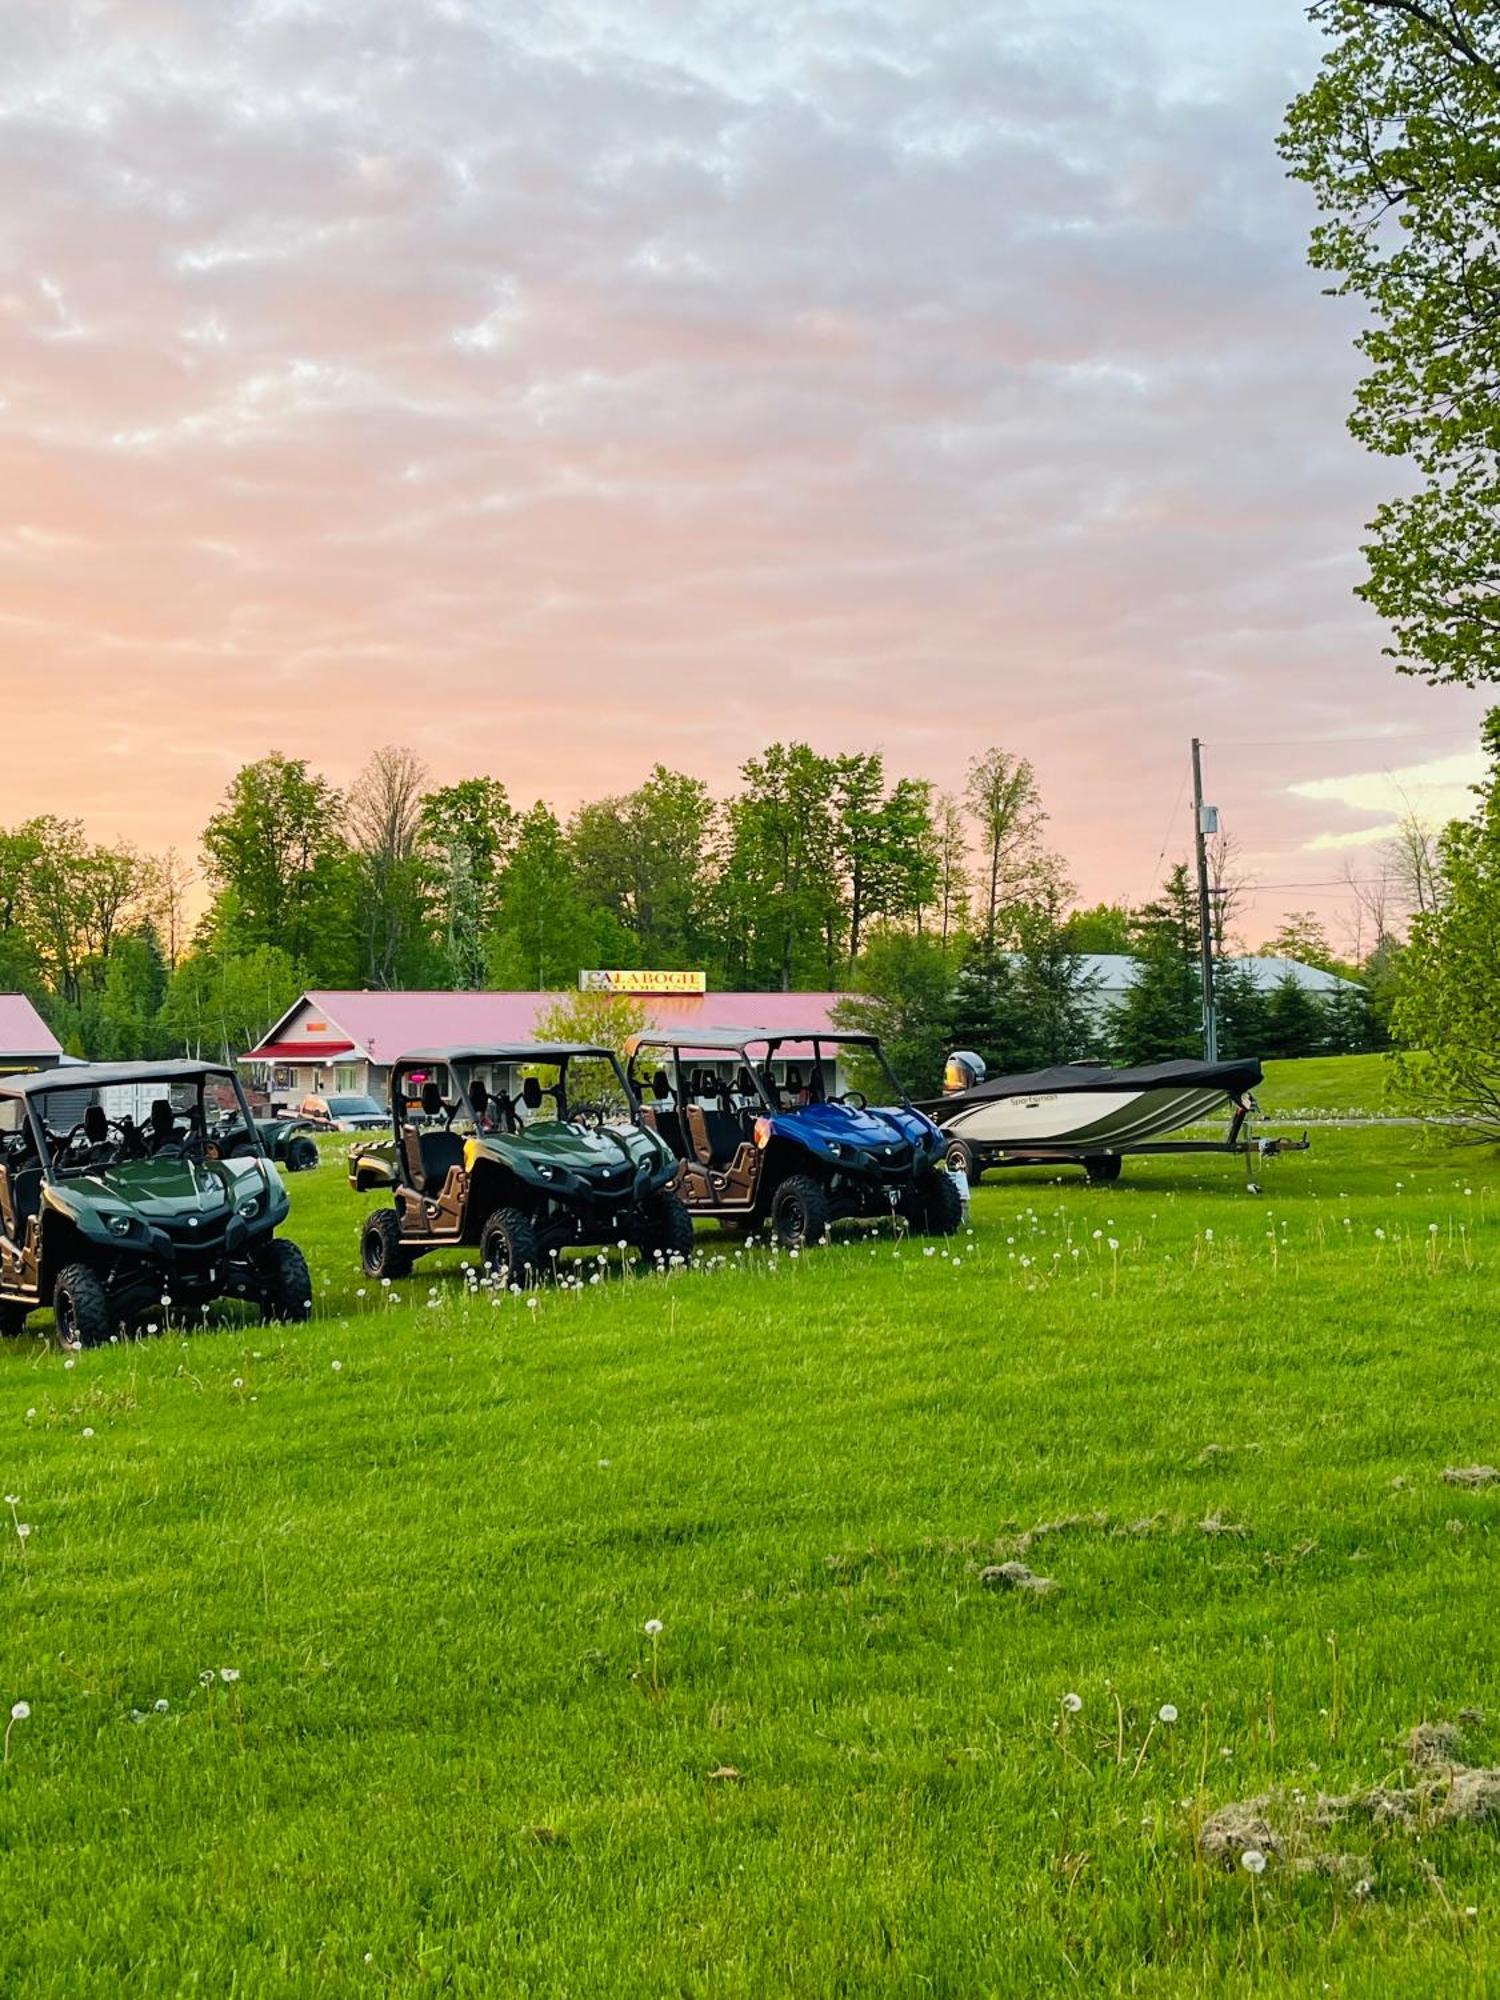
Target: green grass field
(426,1534)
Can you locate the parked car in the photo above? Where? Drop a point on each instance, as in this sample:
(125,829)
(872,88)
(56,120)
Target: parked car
(287,1140)
(761,1135)
(102,1215)
(519,1151)
(351,1113)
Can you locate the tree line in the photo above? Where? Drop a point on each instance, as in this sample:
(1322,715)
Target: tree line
(948,913)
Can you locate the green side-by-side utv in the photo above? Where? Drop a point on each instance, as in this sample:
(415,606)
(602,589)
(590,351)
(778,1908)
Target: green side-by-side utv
(129,1184)
(519,1151)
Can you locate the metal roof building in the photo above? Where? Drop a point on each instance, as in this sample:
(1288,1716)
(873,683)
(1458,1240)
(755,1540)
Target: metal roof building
(346,1041)
(26,1042)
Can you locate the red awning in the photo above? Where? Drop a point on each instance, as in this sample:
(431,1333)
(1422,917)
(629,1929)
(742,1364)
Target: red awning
(296,1051)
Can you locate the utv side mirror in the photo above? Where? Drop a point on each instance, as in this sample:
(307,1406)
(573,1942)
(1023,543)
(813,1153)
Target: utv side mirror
(659,1085)
(531,1093)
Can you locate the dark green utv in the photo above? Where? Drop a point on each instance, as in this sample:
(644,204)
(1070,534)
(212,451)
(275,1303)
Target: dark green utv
(127,1185)
(485,1153)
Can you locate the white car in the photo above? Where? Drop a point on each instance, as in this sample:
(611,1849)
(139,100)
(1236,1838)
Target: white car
(343,1114)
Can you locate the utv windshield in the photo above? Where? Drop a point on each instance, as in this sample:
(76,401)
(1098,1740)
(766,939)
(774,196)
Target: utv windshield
(486,1097)
(196,1118)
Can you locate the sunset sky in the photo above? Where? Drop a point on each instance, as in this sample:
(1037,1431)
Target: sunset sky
(559,389)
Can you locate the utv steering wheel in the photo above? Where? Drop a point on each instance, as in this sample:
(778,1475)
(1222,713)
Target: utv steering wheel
(599,1113)
(852,1100)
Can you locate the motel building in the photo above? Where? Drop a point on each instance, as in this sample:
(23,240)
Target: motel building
(343,1044)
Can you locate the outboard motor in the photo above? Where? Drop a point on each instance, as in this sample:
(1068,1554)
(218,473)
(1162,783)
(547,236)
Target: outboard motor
(962,1071)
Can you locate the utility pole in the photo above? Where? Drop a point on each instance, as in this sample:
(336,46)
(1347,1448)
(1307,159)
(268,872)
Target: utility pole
(1205,821)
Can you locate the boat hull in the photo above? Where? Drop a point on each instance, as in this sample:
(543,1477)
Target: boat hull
(1078,1121)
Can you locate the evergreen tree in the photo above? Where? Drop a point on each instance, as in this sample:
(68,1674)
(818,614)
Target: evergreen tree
(1161,1014)
(1241,1009)
(1294,1022)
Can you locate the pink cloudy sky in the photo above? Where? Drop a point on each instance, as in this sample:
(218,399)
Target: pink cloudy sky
(559,388)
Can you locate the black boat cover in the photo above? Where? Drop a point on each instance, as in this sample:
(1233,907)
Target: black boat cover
(1064,1079)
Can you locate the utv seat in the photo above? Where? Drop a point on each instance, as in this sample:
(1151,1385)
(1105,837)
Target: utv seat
(439,1150)
(664,1118)
(25,1196)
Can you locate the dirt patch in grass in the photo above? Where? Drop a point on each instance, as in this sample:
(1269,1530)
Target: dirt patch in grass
(1016,1576)
(1287,1826)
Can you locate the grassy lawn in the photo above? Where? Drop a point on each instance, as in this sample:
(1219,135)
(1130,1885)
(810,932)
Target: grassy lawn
(1329,1087)
(426,1534)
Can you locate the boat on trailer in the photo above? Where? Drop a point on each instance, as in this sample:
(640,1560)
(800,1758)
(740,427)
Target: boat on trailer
(1092,1115)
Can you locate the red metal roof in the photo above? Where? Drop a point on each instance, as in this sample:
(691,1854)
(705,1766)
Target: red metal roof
(384,1026)
(23,1032)
(301,1051)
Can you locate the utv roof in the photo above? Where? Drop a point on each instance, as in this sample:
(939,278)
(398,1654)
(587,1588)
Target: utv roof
(73,1077)
(740,1038)
(503,1052)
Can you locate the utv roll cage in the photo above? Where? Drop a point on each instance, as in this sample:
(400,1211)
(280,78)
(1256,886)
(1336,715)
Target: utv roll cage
(756,1077)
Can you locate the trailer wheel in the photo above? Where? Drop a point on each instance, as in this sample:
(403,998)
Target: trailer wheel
(1103,1169)
(799,1212)
(381,1251)
(508,1242)
(962,1156)
(81,1307)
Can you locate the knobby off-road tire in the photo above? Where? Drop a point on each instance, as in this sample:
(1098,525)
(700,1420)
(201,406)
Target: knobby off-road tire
(961,1155)
(286,1293)
(382,1254)
(508,1242)
(301,1155)
(1103,1169)
(81,1307)
(940,1207)
(666,1228)
(799,1212)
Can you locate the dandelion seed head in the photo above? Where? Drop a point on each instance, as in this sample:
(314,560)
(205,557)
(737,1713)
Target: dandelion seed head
(1253,1861)
(652,1627)
(1072,1703)
(1167,1712)
(20,1710)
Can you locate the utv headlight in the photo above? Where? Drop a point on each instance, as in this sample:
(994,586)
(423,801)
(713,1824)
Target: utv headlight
(251,1205)
(120,1225)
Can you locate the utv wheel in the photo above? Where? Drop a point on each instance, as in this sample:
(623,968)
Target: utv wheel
(799,1212)
(12,1321)
(81,1307)
(962,1158)
(666,1228)
(301,1155)
(287,1291)
(508,1243)
(382,1254)
(1103,1168)
(940,1207)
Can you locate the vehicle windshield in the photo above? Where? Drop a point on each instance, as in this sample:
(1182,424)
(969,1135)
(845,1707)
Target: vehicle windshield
(354,1107)
(198,1118)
